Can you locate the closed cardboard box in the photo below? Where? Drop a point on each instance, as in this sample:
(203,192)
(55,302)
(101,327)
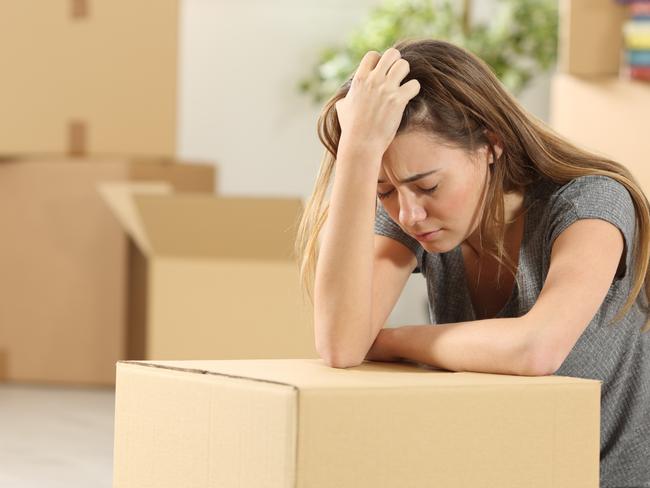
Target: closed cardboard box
(220,280)
(66,263)
(296,423)
(88,76)
(608,116)
(590,40)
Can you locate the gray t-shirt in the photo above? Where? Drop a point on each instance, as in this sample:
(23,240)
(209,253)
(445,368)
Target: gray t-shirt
(618,355)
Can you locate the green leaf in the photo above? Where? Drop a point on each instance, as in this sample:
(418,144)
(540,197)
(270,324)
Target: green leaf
(519,41)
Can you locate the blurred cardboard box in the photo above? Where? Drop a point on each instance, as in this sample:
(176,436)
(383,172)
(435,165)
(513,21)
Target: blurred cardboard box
(608,116)
(65,263)
(590,40)
(3,365)
(88,76)
(299,423)
(220,280)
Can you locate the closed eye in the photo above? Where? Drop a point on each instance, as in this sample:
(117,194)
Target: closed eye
(381,196)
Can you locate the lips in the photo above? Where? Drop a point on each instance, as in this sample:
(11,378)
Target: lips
(425,233)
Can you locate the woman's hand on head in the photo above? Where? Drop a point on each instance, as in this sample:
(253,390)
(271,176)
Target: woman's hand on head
(372,110)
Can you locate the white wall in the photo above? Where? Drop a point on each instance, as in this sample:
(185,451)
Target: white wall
(240,61)
(238,104)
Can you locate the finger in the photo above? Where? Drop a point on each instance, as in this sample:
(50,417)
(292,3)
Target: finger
(410,89)
(387,59)
(366,65)
(398,71)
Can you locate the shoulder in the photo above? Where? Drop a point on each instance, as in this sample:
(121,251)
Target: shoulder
(587,198)
(592,196)
(593,188)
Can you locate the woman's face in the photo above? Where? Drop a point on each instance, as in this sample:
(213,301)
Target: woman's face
(452,207)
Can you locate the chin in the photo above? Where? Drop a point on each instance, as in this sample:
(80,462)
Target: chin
(435,247)
(446,244)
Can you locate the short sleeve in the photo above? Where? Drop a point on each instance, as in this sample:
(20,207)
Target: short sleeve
(386,226)
(595,197)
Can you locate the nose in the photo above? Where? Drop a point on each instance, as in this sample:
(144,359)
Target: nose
(410,211)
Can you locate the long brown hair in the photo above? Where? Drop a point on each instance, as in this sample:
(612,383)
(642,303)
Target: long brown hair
(459,99)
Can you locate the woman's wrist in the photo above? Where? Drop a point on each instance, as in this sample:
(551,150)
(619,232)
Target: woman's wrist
(359,149)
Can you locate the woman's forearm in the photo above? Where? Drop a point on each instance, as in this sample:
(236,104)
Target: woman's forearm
(343,281)
(498,345)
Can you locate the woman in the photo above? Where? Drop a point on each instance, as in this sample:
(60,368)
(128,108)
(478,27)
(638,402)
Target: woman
(535,252)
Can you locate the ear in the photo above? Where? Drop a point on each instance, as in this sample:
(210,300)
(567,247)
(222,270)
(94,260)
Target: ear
(495,142)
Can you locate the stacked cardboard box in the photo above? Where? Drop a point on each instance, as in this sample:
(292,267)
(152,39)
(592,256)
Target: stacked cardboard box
(203,276)
(590,39)
(299,423)
(89,77)
(608,116)
(88,95)
(591,103)
(65,264)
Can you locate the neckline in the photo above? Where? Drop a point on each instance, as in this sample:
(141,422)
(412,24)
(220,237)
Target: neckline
(522,246)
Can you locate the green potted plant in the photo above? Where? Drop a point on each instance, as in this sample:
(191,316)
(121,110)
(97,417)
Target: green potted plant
(519,41)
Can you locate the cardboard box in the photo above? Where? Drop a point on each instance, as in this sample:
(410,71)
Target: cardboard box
(89,76)
(608,116)
(220,279)
(3,365)
(298,423)
(65,264)
(590,37)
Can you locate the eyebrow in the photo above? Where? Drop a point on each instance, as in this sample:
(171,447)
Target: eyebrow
(412,178)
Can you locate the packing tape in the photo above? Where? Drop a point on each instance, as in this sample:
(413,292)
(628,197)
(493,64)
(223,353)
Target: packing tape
(77,137)
(79,9)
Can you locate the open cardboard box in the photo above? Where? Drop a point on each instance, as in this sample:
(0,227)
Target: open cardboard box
(66,263)
(220,280)
(89,77)
(297,423)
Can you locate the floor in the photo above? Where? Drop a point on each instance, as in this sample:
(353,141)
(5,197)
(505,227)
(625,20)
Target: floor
(56,437)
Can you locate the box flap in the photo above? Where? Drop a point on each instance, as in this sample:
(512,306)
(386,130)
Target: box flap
(199,225)
(120,199)
(314,373)
(206,226)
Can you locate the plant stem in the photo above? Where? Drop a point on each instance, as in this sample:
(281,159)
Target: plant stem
(466,11)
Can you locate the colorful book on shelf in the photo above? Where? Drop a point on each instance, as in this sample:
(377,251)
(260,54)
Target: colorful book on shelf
(639,9)
(636,34)
(640,73)
(636,57)
(636,8)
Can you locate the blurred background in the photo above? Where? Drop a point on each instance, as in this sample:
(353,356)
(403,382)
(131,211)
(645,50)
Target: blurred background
(155,157)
